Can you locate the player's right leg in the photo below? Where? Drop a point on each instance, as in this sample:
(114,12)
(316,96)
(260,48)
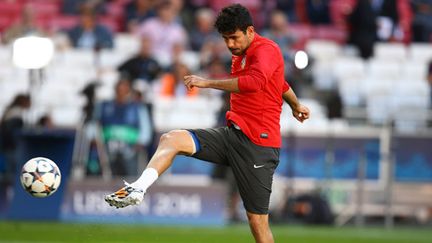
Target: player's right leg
(170,144)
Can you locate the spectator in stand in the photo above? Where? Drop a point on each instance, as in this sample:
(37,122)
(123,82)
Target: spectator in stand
(289,8)
(89,34)
(46,122)
(24,27)
(11,125)
(215,49)
(278,31)
(363,28)
(73,7)
(126,128)
(422,22)
(203,30)
(217,69)
(318,11)
(136,12)
(172,82)
(394,20)
(164,31)
(142,66)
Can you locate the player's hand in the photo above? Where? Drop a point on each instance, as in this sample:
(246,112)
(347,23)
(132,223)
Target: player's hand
(191,81)
(301,113)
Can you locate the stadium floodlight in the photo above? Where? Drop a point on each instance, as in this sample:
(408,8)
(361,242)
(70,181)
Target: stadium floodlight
(301,60)
(32,52)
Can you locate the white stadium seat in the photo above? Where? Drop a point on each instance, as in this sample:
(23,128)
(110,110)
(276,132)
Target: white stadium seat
(390,51)
(66,116)
(384,69)
(323,49)
(184,112)
(420,52)
(414,70)
(349,68)
(127,43)
(350,91)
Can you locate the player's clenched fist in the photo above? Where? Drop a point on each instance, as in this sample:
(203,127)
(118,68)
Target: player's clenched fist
(194,81)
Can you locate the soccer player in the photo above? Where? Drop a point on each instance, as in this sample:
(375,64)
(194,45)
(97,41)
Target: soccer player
(250,143)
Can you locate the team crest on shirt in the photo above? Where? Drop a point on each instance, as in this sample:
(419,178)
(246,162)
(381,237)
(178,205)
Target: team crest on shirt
(243,62)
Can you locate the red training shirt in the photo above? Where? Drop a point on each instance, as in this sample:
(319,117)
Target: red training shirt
(256,108)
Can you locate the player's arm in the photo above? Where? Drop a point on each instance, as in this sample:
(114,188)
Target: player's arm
(300,112)
(251,81)
(230,85)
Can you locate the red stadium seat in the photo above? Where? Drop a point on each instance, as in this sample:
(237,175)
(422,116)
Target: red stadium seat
(5,22)
(10,9)
(110,23)
(329,32)
(63,22)
(43,8)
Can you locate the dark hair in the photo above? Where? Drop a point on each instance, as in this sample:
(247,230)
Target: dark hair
(232,18)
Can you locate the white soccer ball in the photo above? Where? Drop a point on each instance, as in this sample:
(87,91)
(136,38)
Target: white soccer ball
(40,177)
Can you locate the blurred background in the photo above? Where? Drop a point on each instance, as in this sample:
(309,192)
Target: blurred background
(92,85)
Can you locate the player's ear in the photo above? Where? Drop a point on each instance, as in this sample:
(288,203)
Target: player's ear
(250,30)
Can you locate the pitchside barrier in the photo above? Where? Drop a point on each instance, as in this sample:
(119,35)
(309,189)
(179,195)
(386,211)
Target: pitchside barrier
(362,172)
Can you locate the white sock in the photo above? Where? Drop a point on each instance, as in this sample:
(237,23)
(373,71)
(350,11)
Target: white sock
(147,178)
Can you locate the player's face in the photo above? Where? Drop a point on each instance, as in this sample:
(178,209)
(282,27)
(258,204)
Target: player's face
(238,41)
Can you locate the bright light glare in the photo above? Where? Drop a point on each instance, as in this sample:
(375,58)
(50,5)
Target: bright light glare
(32,52)
(301,59)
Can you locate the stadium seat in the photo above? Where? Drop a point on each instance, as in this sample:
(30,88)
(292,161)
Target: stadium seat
(67,75)
(109,77)
(390,51)
(44,8)
(420,52)
(323,49)
(126,43)
(112,58)
(191,59)
(384,69)
(411,101)
(349,68)
(318,121)
(66,116)
(169,113)
(330,32)
(372,85)
(5,21)
(414,70)
(350,91)
(323,75)
(10,9)
(78,58)
(110,22)
(379,108)
(62,22)
(105,92)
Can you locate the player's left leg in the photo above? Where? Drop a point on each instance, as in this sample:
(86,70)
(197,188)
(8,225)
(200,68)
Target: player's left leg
(260,228)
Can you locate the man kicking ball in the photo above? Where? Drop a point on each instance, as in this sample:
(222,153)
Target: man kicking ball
(250,143)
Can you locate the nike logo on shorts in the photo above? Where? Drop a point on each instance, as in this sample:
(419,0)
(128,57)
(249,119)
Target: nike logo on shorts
(258,166)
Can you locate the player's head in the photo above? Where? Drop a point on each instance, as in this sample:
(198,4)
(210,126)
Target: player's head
(235,25)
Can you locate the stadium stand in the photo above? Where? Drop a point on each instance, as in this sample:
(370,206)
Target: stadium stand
(388,88)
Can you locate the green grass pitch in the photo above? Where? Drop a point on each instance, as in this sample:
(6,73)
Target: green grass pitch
(62,232)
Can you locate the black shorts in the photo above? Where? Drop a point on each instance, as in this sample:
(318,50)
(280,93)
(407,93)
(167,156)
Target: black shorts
(253,165)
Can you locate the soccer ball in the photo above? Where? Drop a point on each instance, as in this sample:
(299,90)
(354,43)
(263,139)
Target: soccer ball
(40,177)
